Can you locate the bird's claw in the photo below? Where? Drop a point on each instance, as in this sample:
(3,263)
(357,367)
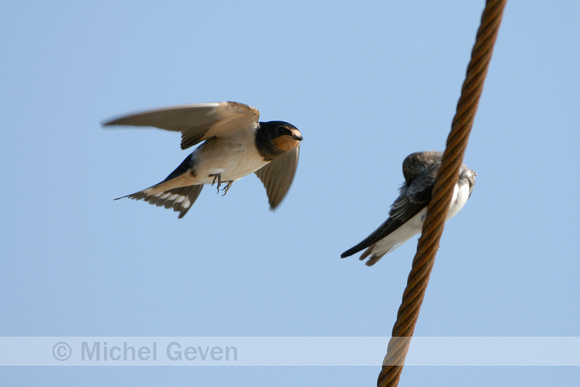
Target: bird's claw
(218,177)
(227,187)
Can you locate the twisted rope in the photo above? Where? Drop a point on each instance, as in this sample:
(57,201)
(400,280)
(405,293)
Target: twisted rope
(442,193)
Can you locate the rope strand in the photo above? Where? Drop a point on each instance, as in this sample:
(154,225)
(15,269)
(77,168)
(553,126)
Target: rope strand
(442,193)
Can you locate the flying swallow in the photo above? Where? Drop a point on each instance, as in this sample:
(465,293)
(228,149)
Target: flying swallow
(235,144)
(408,212)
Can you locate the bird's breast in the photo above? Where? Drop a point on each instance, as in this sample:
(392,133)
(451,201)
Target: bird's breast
(460,196)
(232,159)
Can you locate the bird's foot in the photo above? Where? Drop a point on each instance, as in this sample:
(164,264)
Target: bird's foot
(227,187)
(217,177)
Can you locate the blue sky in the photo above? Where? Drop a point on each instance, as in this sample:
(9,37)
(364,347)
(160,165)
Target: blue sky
(366,84)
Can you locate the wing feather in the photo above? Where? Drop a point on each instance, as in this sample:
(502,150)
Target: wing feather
(277,176)
(410,202)
(197,122)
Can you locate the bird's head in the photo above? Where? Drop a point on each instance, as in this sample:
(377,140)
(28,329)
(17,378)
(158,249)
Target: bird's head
(278,137)
(468,175)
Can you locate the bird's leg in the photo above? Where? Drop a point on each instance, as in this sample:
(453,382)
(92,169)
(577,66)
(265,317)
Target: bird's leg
(227,187)
(217,177)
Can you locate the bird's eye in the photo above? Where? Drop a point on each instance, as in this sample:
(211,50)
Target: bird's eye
(282,130)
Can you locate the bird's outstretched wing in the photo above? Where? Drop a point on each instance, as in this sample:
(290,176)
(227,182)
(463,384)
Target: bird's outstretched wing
(277,176)
(197,122)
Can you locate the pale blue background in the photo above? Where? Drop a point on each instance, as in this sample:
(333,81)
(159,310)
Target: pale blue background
(367,83)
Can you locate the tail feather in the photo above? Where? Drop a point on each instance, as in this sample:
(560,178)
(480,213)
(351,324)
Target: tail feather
(176,191)
(385,246)
(373,256)
(180,199)
(379,249)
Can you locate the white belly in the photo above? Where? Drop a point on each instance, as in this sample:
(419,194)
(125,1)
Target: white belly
(401,235)
(232,159)
(458,200)
(414,225)
(460,196)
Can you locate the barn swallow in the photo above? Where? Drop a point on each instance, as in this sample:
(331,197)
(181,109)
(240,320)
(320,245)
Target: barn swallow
(234,145)
(408,212)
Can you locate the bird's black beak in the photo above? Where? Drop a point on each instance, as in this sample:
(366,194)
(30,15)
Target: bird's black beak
(297,137)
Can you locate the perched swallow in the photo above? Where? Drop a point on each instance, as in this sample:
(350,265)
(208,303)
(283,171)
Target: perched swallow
(235,145)
(408,212)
